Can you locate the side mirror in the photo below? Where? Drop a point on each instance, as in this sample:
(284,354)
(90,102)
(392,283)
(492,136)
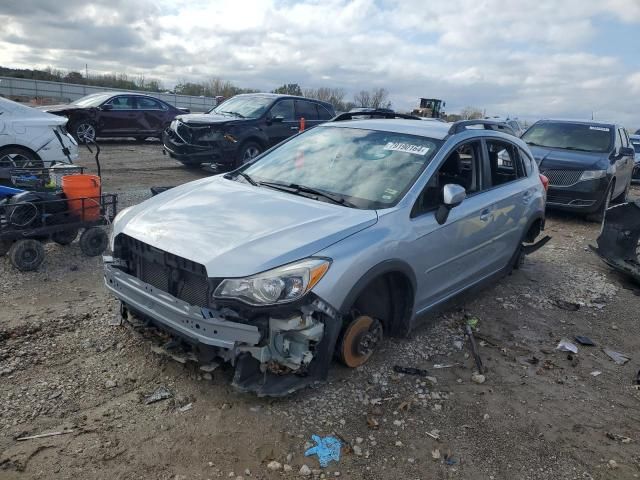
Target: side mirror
(106,107)
(452,196)
(627,152)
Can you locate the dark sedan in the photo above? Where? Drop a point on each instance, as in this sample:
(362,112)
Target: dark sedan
(588,164)
(116,115)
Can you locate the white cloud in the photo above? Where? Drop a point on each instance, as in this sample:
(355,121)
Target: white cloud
(521,57)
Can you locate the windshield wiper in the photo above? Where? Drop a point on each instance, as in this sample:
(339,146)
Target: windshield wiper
(298,189)
(534,144)
(233,113)
(246,176)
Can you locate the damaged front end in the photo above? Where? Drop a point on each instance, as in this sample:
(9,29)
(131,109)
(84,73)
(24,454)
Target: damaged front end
(198,142)
(619,242)
(275,350)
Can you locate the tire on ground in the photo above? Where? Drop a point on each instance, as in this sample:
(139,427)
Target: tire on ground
(93,241)
(248,151)
(26,255)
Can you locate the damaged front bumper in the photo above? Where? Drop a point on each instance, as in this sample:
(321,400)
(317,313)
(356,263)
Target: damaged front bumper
(273,356)
(192,153)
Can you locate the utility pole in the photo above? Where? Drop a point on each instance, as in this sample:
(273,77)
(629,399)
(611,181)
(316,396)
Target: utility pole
(86,71)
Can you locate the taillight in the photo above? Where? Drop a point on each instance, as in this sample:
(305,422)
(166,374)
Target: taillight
(545,182)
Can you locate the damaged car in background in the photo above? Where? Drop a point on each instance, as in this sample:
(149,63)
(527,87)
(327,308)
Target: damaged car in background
(30,138)
(241,128)
(337,237)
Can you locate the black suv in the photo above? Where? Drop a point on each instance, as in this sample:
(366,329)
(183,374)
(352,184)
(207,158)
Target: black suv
(588,163)
(241,128)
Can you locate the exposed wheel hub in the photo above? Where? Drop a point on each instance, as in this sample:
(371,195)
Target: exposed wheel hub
(361,338)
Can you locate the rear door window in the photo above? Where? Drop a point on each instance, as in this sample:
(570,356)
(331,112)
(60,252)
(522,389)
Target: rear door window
(124,102)
(323,113)
(504,162)
(306,110)
(145,103)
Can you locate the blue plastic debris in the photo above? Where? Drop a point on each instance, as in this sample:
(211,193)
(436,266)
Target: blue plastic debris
(327,449)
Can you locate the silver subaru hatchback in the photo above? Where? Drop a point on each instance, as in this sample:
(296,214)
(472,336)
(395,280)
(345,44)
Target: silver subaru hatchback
(327,242)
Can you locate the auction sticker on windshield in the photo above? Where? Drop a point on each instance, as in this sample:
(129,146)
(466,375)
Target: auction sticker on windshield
(406,148)
(600,129)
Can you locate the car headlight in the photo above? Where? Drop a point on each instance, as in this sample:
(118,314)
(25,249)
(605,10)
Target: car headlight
(280,285)
(174,125)
(592,174)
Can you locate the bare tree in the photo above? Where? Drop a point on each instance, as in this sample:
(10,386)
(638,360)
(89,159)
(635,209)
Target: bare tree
(376,98)
(362,99)
(471,113)
(335,96)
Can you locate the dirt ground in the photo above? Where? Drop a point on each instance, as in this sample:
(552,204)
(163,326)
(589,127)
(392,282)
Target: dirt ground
(540,414)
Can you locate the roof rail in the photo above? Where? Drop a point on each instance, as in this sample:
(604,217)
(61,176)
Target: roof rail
(462,125)
(372,113)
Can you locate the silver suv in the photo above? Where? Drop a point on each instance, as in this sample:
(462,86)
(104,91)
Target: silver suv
(325,243)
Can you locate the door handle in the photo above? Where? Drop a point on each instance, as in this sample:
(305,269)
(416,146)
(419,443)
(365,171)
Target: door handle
(485,214)
(293,128)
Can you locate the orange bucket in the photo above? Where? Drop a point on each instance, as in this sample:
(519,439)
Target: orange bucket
(83,195)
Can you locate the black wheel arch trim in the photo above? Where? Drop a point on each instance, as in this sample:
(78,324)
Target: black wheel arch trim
(382,268)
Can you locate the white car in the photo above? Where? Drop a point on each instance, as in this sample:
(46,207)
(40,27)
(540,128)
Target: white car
(32,138)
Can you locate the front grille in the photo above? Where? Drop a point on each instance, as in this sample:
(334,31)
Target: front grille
(184,132)
(177,276)
(562,178)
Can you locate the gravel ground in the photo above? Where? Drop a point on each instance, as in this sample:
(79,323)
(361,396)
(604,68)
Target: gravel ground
(538,414)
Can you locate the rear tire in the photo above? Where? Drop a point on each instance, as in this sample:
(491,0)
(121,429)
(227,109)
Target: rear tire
(93,241)
(16,157)
(26,255)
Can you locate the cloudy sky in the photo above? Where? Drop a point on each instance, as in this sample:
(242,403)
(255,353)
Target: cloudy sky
(527,58)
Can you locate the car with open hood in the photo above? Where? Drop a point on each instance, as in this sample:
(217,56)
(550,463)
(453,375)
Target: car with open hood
(30,138)
(241,128)
(343,234)
(116,114)
(588,163)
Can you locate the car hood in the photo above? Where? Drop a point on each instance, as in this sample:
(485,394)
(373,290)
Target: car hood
(57,108)
(235,229)
(207,118)
(558,158)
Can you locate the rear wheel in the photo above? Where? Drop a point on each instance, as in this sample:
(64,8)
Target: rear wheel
(93,241)
(26,255)
(16,157)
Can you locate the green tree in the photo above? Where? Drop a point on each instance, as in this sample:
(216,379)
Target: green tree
(289,89)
